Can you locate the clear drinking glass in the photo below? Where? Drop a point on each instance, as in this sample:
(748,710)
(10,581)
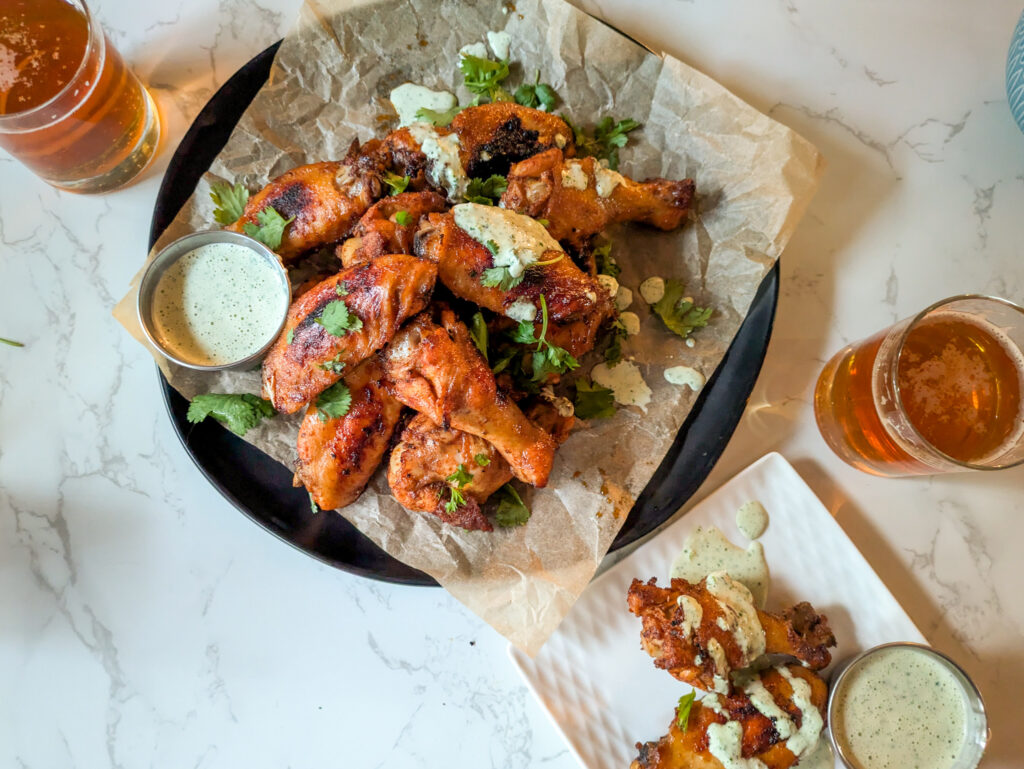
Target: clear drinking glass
(70,109)
(940,392)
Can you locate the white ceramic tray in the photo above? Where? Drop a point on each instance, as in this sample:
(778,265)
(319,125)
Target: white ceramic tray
(602,690)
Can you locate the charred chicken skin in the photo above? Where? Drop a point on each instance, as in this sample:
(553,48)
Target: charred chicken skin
(337,457)
(438,371)
(326,199)
(427,454)
(761,737)
(380,230)
(380,295)
(580,198)
(694,635)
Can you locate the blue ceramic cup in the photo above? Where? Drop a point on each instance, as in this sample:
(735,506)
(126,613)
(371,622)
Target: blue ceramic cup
(1015,74)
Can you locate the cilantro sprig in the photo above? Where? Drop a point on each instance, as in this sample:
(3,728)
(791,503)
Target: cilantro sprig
(609,136)
(613,352)
(683,710)
(403,218)
(456,482)
(537,94)
(336,318)
(486,192)
(511,510)
(11,342)
(396,184)
(482,459)
(238,413)
(229,201)
(484,78)
(269,228)
(606,264)
(547,358)
(442,119)
(593,401)
(334,365)
(334,402)
(478,333)
(680,315)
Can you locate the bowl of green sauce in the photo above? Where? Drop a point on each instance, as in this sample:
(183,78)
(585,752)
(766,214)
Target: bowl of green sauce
(906,706)
(214,301)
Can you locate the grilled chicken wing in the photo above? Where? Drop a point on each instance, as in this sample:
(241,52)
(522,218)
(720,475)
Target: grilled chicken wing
(337,457)
(427,454)
(570,294)
(382,294)
(580,198)
(379,231)
(701,639)
(761,737)
(437,370)
(326,199)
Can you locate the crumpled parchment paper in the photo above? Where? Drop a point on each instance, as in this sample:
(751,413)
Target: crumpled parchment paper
(755,177)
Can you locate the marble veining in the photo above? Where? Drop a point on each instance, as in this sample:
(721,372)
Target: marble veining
(147,623)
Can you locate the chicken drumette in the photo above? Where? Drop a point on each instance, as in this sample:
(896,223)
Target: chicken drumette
(389,227)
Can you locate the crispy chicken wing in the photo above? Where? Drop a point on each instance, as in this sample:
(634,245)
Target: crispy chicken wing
(427,454)
(580,198)
(326,199)
(381,293)
(438,371)
(570,294)
(766,739)
(379,232)
(337,457)
(696,637)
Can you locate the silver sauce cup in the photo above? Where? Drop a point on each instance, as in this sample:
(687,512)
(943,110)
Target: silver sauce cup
(180,248)
(977,732)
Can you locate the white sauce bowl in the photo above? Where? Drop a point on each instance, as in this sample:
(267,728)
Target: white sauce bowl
(180,248)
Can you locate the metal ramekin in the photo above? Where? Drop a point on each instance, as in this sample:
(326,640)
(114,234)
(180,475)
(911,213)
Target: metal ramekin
(179,248)
(978,732)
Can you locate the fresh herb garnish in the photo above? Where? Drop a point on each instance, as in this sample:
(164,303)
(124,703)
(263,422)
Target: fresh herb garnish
(229,201)
(680,315)
(511,511)
(683,710)
(270,229)
(456,482)
(403,218)
(334,365)
(537,95)
(396,183)
(613,352)
(334,402)
(484,78)
(478,333)
(609,136)
(606,264)
(482,459)
(425,115)
(291,336)
(593,401)
(487,191)
(11,342)
(336,318)
(501,277)
(312,504)
(547,358)
(239,413)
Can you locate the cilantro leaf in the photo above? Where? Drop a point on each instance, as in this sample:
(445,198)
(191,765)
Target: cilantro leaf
(239,413)
(537,94)
(482,459)
(608,137)
(680,315)
(396,183)
(337,320)
(484,77)
(524,333)
(606,264)
(312,504)
(613,352)
(478,333)
(11,342)
(552,360)
(501,277)
(425,115)
(456,481)
(230,201)
(403,218)
(683,710)
(270,229)
(593,401)
(334,402)
(334,365)
(487,191)
(511,511)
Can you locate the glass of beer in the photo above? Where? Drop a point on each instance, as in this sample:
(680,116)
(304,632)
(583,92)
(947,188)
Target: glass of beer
(939,392)
(70,109)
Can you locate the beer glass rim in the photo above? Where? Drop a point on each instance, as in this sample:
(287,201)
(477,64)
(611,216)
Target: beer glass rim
(894,370)
(90,43)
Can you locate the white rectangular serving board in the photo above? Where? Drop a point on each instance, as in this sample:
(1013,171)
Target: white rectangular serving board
(601,688)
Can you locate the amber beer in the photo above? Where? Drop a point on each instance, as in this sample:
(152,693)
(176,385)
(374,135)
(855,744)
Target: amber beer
(940,392)
(70,109)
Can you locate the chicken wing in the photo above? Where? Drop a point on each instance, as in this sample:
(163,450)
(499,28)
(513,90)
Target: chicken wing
(389,227)
(438,371)
(337,457)
(378,295)
(570,294)
(427,454)
(326,199)
(700,638)
(580,198)
(777,741)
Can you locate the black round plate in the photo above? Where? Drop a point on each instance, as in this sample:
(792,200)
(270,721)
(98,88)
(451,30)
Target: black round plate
(261,487)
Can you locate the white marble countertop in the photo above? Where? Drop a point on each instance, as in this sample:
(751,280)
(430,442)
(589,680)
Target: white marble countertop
(147,623)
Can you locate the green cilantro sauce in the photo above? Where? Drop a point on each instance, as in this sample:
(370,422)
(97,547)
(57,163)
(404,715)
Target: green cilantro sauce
(707,550)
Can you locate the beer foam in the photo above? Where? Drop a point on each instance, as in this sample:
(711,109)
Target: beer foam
(8,68)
